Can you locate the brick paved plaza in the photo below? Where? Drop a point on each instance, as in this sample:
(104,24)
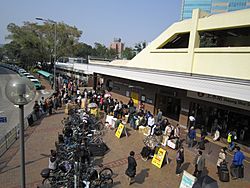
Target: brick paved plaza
(41,137)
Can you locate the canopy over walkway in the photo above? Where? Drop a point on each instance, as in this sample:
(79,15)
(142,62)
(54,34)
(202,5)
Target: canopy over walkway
(44,73)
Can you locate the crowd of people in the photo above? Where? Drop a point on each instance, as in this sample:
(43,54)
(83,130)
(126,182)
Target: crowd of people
(136,115)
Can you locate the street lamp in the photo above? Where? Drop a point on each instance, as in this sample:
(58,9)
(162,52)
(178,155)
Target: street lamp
(55,25)
(20,92)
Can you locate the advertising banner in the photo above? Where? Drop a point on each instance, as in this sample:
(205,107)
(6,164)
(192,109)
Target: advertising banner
(119,130)
(159,158)
(187,180)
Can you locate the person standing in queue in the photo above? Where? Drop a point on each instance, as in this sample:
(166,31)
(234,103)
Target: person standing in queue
(179,160)
(131,170)
(237,164)
(199,163)
(221,158)
(192,137)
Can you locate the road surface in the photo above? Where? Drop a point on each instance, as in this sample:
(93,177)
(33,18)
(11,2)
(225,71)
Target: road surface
(7,109)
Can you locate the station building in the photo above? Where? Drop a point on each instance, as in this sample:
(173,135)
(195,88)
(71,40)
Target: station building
(198,66)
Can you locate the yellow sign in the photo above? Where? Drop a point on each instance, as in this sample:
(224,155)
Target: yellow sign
(135,97)
(93,111)
(119,131)
(159,158)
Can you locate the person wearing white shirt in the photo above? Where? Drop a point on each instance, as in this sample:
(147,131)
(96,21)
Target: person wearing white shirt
(151,124)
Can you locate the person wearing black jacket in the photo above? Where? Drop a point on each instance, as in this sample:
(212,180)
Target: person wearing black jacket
(131,170)
(179,160)
(68,132)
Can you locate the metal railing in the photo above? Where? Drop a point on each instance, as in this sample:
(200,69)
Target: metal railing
(9,139)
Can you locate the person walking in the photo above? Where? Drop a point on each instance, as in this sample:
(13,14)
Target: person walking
(221,158)
(131,170)
(179,160)
(237,163)
(199,163)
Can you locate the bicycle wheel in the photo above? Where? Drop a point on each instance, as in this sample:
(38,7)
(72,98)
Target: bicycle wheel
(97,140)
(106,183)
(49,182)
(94,184)
(106,173)
(99,126)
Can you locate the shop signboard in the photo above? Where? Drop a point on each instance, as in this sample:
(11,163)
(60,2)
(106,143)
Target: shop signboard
(135,97)
(220,100)
(187,180)
(159,158)
(119,130)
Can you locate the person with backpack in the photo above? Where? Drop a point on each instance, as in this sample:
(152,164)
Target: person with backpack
(179,160)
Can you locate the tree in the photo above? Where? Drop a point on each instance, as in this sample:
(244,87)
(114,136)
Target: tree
(31,42)
(102,51)
(128,53)
(83,50)
(140,46)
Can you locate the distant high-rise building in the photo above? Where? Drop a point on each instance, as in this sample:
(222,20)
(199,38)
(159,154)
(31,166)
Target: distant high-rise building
(118,46)
(212,6)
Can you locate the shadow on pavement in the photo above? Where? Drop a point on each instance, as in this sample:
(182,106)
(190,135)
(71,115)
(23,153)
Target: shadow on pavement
(205,172)
(18,166)
(117,183)
(140,178)
(98,161)
(185,166)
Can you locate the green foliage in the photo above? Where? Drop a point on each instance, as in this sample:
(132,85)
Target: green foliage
(102,51)
(128,53)
(31,42)
(140,46)
(83,50)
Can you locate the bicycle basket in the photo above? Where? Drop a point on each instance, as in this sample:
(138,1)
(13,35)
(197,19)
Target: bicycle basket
(93,174)
(45,173)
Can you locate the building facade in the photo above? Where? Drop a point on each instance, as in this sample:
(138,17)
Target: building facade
(198,66)
(118,46)
(212,6)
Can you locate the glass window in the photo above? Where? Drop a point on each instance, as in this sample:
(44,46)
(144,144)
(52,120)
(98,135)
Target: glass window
(237,37)
(180,40)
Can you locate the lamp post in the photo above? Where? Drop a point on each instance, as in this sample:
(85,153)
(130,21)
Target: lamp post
(20,92)
(55,25)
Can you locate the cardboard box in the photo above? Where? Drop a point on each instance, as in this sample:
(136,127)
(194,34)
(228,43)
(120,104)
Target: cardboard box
(141,129)
(147,131)
(164,140)
(172,143)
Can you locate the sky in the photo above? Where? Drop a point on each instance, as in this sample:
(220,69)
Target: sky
(100,20)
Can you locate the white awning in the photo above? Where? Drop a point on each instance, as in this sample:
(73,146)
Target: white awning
(240,91)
